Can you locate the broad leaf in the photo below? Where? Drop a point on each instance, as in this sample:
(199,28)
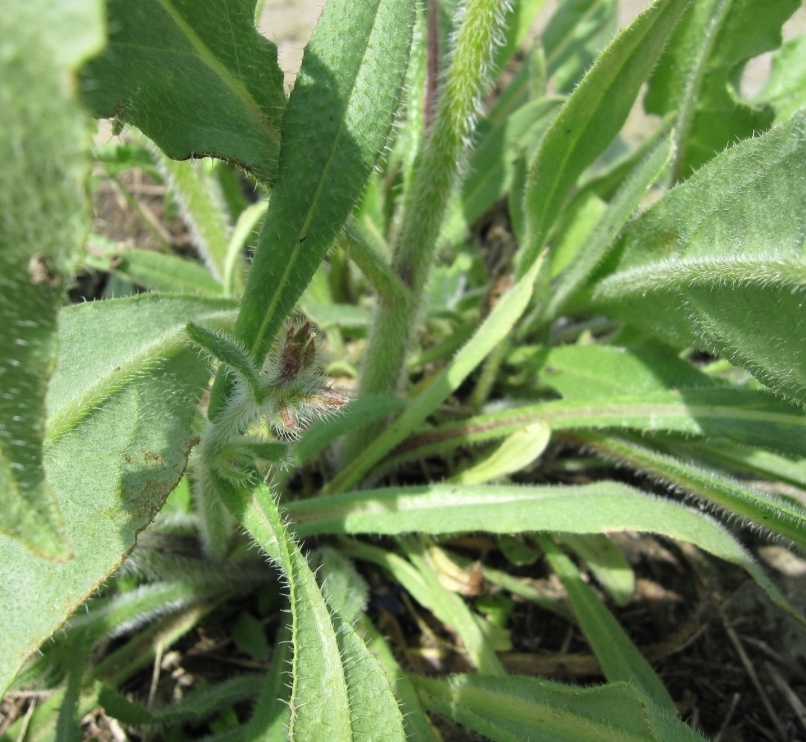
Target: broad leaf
(120,406)
(44,219)
(197,79)
(718,263)
(699,74)
(517,708)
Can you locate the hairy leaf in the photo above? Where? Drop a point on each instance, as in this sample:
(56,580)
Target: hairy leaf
(719,262)
(699,73)
(516,708)
(591,117)
(119,437)
(44,220)
(601,507)
(196,78)
(339,690)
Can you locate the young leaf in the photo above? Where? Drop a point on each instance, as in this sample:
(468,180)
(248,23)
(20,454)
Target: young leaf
(515,453)
(197,79)
(591,117)
(44,219)
(516,708)
(119,436)
(340,691)
(719,265)
(699,73)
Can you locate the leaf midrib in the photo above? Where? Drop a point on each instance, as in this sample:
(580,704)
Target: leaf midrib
(209,58)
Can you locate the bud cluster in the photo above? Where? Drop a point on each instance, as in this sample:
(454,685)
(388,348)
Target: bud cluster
(298,391)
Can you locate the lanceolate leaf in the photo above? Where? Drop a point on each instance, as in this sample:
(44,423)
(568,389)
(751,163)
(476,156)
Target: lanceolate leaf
(335,125)
(742,416)
(340,691)
(594,508)
(197,78)
(719,262)
(617,655)
(591,118)
(699,73)
(44,219)
(781,516)
(517,708)
(120,406)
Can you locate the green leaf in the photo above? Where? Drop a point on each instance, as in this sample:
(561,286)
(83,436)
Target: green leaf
(516,708)
(119,436)
(493,161)
(618,656)
(344,588)
(574,37)
(358,414)
(138,334)
(418,726)
(699,73)
(249,636)
(602,238)
(495,328)
(340,691)
(590,371)
(203,209)
(515,453)
(591,117)
(197,79)
(194,708)
(607,564)
(269,722)
(718,263)
(741,416)
(785,90)
(782,516)
(593,508)
(336,122)
(156,271)
(449,607)
(44,219)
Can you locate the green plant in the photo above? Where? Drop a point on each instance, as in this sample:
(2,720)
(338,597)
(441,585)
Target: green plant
(584,333)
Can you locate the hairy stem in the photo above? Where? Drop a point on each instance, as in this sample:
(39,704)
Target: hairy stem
(436,172)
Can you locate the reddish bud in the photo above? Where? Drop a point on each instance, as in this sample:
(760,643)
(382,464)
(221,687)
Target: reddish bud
(297,354)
